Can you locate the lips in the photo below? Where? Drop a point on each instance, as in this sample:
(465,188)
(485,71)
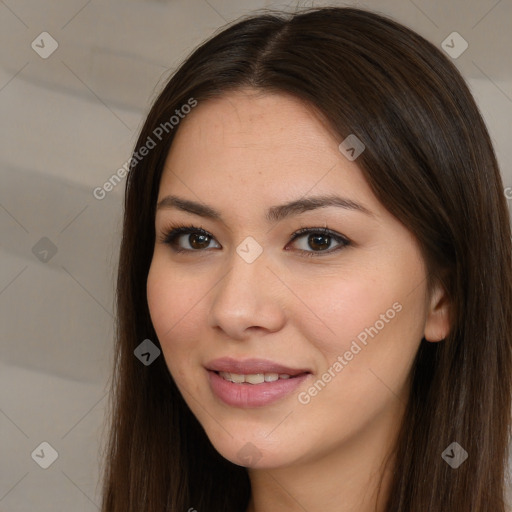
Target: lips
(226,378)
(253,395)
(252,366)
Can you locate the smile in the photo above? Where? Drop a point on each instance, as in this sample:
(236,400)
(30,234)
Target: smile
(253,378)
(255,390)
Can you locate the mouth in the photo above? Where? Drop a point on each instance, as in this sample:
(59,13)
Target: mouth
(253,383)
(251,367)
(256,378)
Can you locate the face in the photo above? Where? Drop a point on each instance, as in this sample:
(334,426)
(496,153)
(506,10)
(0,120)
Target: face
(337,310)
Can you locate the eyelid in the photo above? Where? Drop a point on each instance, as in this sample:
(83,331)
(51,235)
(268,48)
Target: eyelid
(324,230)
(172,232)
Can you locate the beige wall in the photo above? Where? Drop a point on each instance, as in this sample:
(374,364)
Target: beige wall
(68,123)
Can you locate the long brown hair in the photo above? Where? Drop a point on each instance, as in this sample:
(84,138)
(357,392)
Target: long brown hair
(430,162)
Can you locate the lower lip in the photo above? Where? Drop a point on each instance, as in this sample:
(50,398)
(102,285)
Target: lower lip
(253,395)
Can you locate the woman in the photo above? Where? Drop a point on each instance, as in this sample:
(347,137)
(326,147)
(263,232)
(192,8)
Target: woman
(316,239)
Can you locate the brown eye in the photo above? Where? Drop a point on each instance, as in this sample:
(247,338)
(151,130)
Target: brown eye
(316,241)
(198,240)
(319,240)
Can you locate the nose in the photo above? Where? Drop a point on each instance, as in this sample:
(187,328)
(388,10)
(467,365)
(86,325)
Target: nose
(249,297)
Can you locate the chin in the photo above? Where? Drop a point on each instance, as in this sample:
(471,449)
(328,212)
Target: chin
(252,451)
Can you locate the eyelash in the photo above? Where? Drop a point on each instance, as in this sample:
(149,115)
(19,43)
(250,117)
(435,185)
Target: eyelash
(172,232)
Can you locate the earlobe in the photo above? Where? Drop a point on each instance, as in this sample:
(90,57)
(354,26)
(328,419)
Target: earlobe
(437,325)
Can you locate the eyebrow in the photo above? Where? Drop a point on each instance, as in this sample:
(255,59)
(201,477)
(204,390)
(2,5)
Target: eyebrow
(274,214)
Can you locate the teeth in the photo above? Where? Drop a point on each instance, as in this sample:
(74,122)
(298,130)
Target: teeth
(255,378)
(235,378)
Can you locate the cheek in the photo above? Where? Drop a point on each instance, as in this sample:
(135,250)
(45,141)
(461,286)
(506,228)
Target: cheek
(374,314)
(343,308)
(376,352)
(174,304)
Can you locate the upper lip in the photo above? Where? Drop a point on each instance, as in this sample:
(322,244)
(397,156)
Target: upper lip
(251,366)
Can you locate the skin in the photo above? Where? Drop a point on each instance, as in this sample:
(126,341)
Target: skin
(242,154)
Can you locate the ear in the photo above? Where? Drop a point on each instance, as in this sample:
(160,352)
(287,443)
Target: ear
(437,324)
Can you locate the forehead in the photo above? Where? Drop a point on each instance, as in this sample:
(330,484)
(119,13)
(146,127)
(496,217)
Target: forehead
(249,119)
(250,144)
